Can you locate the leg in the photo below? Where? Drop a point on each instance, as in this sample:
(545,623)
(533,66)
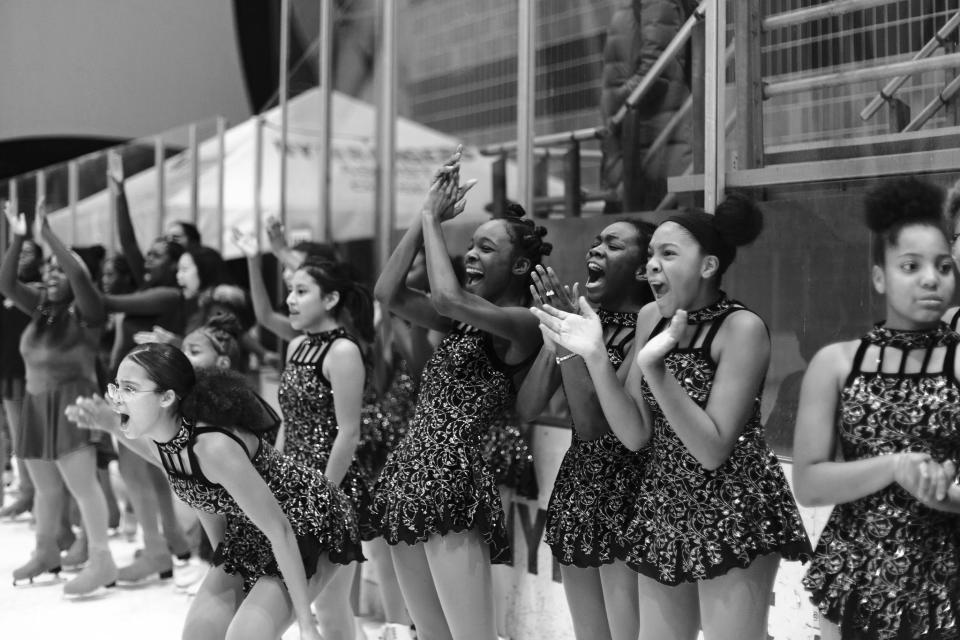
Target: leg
(394,608)
(334,611)
(460,566)
(48,503)
(79,471)
(155,556)
(502,576)
(828,630)
(419,592)
(214,606)
(584,592)
(267,611)
(735,605)
(622,600)
(24,502)
(668,613)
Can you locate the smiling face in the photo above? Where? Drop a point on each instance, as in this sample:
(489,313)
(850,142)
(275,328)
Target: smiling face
(489,261)
(138,401)
(55,282)
(309,306)
(29,265)
(188,276)
(917,277)
(677,268)
(612,264)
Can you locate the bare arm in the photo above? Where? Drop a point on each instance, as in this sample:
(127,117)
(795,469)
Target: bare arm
(343,367)
(266,316)
(541,382)
(24,297)
(391,289)
(84,290)
(225,462)
(710,433)
(152,301)
(125,230)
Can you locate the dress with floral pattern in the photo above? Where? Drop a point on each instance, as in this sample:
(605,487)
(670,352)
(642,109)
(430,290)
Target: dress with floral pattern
(322,517)
(508,453)
(384,421)
(598,479)
(436,481)
(692,523)
(310,422)
(887,566)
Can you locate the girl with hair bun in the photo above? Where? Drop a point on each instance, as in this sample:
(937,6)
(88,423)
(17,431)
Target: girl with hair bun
(436,500)
(887,564)
(714,514)
(951,212)
(283,532)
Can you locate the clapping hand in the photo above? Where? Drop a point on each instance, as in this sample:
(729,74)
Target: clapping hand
(657,347)
(157,334)
(581,333)
(114,170)
(924,478)
(16,222)
(94,413)
(247,244)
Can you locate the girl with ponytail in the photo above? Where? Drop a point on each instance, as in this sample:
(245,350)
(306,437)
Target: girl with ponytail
(951,212)
(886,564)
(436,501)
(283,532)
(714,514)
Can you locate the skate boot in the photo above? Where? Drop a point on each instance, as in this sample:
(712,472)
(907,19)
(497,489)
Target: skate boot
(76,556)
(39,563)
(145,566)
(100,571)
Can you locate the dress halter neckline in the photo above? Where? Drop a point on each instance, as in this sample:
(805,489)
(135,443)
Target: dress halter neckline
(176,444)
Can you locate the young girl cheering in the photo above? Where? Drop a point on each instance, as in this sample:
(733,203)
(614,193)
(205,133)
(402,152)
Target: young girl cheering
(281,530)
(886,564)
(714,514)
(436,500)
(599,477)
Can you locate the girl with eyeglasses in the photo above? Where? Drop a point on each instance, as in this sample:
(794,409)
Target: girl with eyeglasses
(59,349)
(283,532)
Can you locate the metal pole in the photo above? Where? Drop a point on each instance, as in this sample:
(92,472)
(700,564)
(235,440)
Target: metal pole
(325,66)
(73,190)
(714,134)
(935,105)
(194,173)
(386,133)
(891,87)
(221,177)
(158,154)
(827,10)
(284,62)
(526,99)
(257,178)
(907,67)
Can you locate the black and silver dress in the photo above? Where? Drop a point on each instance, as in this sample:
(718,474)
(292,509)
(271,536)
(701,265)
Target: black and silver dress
(321,515)
(692,523)
(887,566)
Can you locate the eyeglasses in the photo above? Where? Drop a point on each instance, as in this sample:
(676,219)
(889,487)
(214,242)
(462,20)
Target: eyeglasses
(123,393)
(953,238)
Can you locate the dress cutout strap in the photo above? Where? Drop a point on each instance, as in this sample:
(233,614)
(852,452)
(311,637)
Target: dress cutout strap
(926,360)
(715,328)
(172,462)
(955,320)
(657,328)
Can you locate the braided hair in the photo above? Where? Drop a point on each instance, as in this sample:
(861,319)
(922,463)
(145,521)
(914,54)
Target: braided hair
(527,236)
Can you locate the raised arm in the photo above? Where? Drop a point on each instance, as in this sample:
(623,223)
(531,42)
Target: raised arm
(266,316)
(152,301)
(125,231)
(24,297)
(343,367)
(85,291)
(710,433)
(449,298)
(225,462)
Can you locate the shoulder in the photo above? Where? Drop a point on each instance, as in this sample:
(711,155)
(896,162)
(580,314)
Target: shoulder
(745,322)
(647,319)
(950,316)
(296,342)
(834,359)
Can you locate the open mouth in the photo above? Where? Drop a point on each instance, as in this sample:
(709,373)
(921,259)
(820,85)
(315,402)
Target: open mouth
(659,288)
(473,276)
(595,274)
(124,422)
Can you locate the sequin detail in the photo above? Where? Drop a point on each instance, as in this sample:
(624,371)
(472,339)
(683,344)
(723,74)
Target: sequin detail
(310,422)
(692,523)
(436,481)
(321,515)
(887,566)
(598,479)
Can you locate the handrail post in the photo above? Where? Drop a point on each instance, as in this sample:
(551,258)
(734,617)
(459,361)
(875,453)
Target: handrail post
(526,100)
(158,162)
(698,80)
(748,153)
(499,185)
(571,180)
(714,139)
(541,174)
(194,153)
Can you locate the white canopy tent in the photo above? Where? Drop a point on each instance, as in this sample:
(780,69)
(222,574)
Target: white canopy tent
(420,150)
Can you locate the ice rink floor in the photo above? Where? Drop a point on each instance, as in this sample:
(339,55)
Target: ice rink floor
(151,611)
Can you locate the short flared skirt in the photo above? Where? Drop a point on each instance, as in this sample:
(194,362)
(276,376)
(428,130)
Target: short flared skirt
(435,484)
(593,495)
(885,573)
(45,433)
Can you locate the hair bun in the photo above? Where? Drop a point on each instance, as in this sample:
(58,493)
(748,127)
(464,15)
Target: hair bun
(226,322)
(223,398)
(952,207)
(514,210)
(902,201)
(738,220)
